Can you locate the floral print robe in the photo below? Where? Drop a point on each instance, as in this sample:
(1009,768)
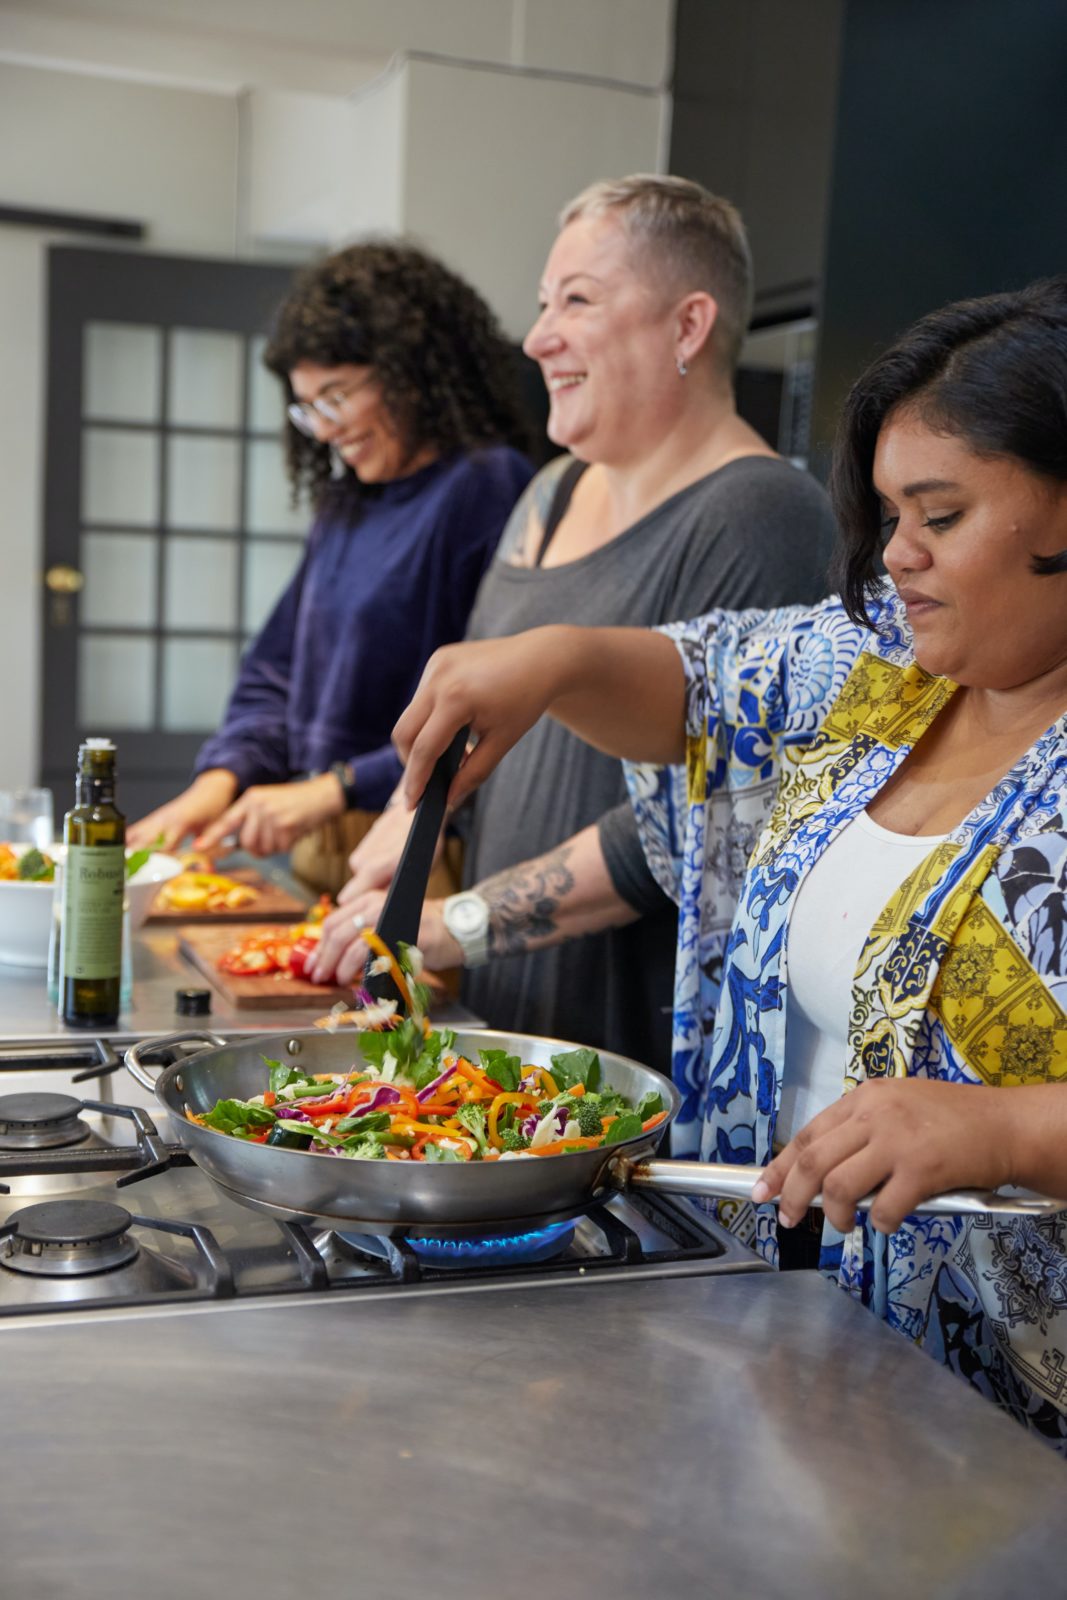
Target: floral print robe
(795,719)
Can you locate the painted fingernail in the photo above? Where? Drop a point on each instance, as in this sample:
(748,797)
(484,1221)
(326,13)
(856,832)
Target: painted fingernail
(760,1191)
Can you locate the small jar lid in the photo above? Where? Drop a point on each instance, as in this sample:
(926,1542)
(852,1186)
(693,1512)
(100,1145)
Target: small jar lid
(192,1002)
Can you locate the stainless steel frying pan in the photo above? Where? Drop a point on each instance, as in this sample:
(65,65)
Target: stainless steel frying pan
(391,1197)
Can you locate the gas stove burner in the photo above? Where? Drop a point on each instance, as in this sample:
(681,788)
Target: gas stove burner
(40,1121)
(68,1238)
(513,1249)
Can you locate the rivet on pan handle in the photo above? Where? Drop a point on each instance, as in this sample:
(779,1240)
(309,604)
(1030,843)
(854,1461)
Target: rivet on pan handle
(711,1181)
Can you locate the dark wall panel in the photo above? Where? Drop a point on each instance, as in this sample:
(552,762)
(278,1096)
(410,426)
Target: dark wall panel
(948,172)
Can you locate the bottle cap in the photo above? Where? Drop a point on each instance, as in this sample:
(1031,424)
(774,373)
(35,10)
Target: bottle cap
(192,1002)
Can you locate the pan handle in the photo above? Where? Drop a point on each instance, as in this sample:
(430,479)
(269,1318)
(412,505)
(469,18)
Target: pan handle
(715,1182)
(138,1069)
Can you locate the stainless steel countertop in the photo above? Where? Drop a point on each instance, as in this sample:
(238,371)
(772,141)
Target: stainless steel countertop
(158,970)
(759,1437)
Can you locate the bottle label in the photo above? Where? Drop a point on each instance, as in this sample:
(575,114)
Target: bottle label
(94,883)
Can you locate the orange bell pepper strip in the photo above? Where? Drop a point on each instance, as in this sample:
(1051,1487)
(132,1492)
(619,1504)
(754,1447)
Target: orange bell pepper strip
(557,1146)
(653,1122)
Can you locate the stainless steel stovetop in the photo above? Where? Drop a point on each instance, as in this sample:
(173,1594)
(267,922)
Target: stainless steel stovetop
(101,1214)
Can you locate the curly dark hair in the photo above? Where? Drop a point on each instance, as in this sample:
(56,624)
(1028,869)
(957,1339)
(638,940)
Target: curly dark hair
(447,375)
(992,372)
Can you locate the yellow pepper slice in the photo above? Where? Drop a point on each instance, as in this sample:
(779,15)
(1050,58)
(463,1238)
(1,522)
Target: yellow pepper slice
(495,1110)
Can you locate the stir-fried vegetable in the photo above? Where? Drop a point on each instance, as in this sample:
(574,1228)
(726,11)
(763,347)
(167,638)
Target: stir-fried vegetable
(436,1105)
(419,1099)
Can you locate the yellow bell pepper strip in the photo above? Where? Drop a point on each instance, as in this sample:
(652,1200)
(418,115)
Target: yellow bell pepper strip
(547,1081)
(404,1124)
(496,1108)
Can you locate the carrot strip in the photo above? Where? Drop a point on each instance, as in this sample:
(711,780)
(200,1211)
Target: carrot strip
(653,1122)
(557,1146)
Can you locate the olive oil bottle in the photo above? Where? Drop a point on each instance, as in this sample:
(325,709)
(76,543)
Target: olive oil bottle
(94,883)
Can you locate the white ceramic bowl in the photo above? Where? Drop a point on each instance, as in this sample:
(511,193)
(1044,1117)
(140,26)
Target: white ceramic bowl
(26,910)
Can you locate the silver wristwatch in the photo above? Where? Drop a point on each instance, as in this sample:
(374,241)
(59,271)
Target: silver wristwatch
(466,916)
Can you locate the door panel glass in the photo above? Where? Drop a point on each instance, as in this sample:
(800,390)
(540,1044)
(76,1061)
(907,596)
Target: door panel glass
(202,483)
(204,379)
(268,567)
(120,476)
(120,367)
(120,580)
(197,677)
(116,682)
(268,491)
(266,398)
(200,589)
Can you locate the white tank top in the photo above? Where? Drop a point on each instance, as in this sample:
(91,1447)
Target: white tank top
(835,908)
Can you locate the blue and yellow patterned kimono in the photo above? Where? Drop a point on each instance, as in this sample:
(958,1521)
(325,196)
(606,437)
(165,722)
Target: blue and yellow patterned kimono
(795,719)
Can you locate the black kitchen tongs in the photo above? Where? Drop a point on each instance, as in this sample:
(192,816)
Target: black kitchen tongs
(402,911)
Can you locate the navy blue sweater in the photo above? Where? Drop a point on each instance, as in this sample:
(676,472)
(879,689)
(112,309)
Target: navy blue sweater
(382,584)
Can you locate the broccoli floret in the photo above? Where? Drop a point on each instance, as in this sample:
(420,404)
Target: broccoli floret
(514,1139)
(586,1114)
(367,1149)
(472,1118)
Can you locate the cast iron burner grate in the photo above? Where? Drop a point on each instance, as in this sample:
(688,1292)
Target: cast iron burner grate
(150,1154)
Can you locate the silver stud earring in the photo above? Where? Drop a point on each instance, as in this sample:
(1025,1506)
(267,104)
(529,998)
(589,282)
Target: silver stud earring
(682,368)
(338,467)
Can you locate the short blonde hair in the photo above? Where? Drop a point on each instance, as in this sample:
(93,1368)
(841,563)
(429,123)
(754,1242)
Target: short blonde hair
(691,238)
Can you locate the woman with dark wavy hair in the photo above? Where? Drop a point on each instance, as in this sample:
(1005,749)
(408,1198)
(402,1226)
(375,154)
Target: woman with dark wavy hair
(885,1007)
(405,434)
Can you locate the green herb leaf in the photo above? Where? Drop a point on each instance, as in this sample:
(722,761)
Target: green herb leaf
(438,1152)
(649,1105)
(627,1126)
(503,1068)
(576,1066)
(136,860)
(230,1115)
(282,1075)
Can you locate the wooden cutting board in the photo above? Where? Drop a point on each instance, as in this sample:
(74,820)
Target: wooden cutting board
(204,946)
(270,905)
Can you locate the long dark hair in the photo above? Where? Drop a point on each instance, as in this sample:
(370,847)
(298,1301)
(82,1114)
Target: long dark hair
(447,375)
(992,372)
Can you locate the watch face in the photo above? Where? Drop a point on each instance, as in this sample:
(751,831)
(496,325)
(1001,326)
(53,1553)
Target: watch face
(467,915)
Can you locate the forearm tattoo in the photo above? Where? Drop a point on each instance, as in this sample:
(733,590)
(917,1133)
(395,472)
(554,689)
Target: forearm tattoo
(524,901)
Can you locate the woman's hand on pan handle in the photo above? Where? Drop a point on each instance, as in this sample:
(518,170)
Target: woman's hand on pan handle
(912,1138)
(620,689)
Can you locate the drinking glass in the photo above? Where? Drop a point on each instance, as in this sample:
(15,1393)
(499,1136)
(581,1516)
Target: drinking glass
(27,817)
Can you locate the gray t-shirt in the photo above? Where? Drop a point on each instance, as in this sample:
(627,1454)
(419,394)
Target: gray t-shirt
(757,532)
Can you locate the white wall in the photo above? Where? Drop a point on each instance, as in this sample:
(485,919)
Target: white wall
(222,129)
(492,156)
(76,143)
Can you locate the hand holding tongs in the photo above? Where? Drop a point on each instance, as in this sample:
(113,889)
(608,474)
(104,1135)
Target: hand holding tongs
(402,911)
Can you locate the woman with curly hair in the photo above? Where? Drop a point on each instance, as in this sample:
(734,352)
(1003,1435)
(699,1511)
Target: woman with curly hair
(405,434)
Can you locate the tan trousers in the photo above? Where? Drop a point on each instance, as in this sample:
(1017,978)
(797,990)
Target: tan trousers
(320,858)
